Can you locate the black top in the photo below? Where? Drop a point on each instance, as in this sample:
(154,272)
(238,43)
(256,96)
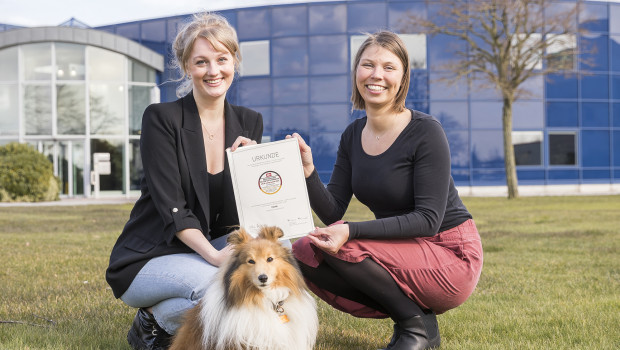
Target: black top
(216,192)
(175,187)
(408,187)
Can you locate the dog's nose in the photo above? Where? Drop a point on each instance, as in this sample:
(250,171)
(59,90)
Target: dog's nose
(263,278)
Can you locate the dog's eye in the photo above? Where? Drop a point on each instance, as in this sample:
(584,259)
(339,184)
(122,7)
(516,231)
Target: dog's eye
(251,261)
(269,259)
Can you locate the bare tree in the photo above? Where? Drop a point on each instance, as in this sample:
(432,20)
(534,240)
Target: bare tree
(508,42)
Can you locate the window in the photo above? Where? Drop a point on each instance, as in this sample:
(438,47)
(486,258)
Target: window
(69,61)
(562,148)
(255,58)
(561,51)
(527,147)
(8,64)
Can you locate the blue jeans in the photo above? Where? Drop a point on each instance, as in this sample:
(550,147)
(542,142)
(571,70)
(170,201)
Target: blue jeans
(173,284)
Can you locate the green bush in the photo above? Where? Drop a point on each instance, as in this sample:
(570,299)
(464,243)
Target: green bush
(26,175)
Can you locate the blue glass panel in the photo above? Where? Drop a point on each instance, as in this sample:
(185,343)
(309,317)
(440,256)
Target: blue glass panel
(130,30)
(617,148)
(443,49)
(616,117)
(459,148)
(614,18)
(595,114)
(614,44)
(615,87)
(595,148)
(324,149)
(527,115)
(154,31)
(560,86)
(290,90)
(369,17)
(255,23)
(482,89)
(290,119)
(488,177)
(267,114)
(531,175)
(452,115)
(461,177)
(255,92)
(290,56)
(329,117)
(593,17)
(399,15)
(595,86)
(328,54)
(486,115)
(561,9)
(445,90)
(596,175)
(174,24)
(533,87)
(329,89)
(562,114)
(231,17)
(487,149)
(289,20)
(325,176)
(564,174)
(595,52)
(418,86)
(421,106)
(327,19)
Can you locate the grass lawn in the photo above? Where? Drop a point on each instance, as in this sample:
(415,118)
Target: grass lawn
(551,279)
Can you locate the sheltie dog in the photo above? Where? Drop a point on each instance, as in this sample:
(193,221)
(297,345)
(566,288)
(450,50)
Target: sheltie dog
(257,301)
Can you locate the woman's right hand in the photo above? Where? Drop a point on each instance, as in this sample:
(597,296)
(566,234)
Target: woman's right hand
(306,154)
(194,239)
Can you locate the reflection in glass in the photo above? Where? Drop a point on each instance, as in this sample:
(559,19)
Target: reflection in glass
(139,99)
(290,55)
(562,149)
(37,61)
(593,17)
(443,86)
(443,51)
(8,64)
(528,115)
(255,56)
(327,19)
(328,54)
(69,61)
(614,18)
(256,23)
(595,114)
(561,51)
(594,50)
(416,47)
(328,89)
(290,90)
(459,148)
(255,92)
(38,109)
(107,105)
(527,147)
(595,148)
(71,109)
(289,20)
(9,120)
(329,117)
(138,72)
(486,115)
(78,167)
(290,119)
(595,86)
(369,17)
(452,115)
(325,146)
(114,181)
(105,64)
(561,86)
(135,165)
(562,114)
(487,149)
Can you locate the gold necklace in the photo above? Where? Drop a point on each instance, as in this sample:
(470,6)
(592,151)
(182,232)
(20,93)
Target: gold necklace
(211,135)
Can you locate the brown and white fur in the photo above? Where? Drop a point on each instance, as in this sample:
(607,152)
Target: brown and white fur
(240,308)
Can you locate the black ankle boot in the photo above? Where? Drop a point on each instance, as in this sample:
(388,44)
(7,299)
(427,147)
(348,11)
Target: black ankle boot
(395,336)
(418,333)
(146,334)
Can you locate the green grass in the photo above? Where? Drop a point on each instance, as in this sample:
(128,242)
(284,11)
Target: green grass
(551,279)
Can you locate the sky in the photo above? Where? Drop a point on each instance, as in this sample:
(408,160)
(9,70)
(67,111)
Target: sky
(33,13)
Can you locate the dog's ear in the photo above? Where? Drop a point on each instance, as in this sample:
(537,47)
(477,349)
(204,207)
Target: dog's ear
(272,233)
(238,237)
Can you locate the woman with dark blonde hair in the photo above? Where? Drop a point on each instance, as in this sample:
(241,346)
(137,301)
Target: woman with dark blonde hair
(422,254)
(175,238)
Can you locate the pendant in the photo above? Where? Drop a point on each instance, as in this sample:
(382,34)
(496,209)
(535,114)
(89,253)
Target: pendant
(211,137)
(377,138)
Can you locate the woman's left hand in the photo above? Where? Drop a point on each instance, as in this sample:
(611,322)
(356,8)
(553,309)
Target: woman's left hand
(241,141)
(330,238)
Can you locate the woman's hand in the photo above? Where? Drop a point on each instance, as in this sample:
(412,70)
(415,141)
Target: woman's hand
(306,154)
(194,239)
(241,141)
(331,238)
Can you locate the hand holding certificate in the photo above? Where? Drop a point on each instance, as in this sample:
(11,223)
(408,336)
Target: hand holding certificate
(270,188)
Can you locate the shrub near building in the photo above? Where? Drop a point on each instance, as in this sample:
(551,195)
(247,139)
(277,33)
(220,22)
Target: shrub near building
(26,175)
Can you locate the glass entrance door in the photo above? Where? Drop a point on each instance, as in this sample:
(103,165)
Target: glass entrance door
(68,159)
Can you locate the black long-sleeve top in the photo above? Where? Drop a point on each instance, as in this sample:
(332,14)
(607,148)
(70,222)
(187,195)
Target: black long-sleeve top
(408,187)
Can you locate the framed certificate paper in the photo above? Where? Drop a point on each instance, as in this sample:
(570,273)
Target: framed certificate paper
(270,188)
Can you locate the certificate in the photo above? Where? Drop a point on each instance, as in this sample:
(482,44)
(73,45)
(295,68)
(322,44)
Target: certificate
(270,188)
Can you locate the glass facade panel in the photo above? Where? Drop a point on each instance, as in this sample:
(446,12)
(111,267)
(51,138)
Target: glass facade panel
(290,91)
(105,65)
(416,47)
(616,137)
(8,64)
(69,61)
(327,19)
(366,17)
(486,115)
(562,114)
(107,106)
(615,87)
(37,61)
(487,149)
(614,43)
(289,20)
(9,109)
(561,86)
(114,181)
(328,54)
(77,167)
(256,23)
(528,115)
(290,119)
(595,148)
(562,176)
(290,56)
(329,117)
(595,86)
(255,58)
(596,175)
(595,114)
(440,89)
(255,92)
(594,17)
(418,86)
(139,99)
(616,118)
(71,109)
(153,32)
(129,30)
(442,51)
(140,73)
(400,15)
(452,115)
(594,52)
(325,147)
(135,165)
(38,109)
(562,149)
(459,148)
(527,147)
(560,52)
(614,18)
(328,89)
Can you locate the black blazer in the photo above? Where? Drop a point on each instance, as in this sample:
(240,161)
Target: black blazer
(175,188)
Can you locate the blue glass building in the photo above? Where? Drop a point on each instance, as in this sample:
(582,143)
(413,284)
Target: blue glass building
(296,71)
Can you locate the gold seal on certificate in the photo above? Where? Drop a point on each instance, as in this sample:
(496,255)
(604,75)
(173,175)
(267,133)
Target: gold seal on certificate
(270,188)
